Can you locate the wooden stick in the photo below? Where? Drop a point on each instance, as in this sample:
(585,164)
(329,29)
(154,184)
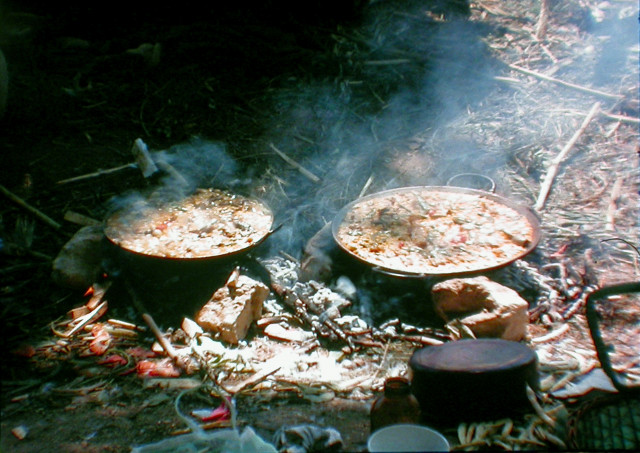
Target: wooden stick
(80,219)
(98,173)
(566,84)
(551,335)
(45,218)
(166,345)
(621,118)
(387,62)
(553,168)
(295,164)
(261,375)
(366,186)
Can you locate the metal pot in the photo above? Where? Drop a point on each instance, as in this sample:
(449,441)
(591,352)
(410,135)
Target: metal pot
(391,215)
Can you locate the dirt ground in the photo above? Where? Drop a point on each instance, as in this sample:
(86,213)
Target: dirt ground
(365,96)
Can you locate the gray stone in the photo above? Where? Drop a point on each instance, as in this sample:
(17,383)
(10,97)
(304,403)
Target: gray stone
(78,265)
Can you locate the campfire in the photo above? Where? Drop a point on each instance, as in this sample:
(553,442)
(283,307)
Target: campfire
(249,293)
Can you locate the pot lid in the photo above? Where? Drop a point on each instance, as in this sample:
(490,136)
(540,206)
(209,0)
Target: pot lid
(473,356)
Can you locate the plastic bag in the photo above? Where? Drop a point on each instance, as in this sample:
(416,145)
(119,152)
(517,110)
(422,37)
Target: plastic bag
(223,441)
(220,441)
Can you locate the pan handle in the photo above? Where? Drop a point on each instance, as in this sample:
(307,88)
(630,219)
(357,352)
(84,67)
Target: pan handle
(602,349)
(482,181)
(397,274)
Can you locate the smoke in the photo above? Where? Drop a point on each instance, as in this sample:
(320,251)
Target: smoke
(400,73)
(183,168)
(415,73)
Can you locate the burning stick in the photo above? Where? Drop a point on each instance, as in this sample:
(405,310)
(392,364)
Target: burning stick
(295,164)
(45,218)
(553,168)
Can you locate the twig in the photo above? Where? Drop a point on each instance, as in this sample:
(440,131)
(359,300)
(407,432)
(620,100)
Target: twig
(621,118)
(295,164)
(366,186)
(553,168)
(261,375)
(551,335)
(565,84)
(98,173)
(45,218)
(387,62)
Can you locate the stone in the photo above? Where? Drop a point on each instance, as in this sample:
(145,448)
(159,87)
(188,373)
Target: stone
(487,308)
(290,334)
(233,308)
(78,265)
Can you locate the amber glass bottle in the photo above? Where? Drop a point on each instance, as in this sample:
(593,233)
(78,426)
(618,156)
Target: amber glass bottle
(396,405)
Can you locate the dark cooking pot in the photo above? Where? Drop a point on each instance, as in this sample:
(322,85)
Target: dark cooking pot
(471,380)
(209,224)
(434,231)
(195,240)
(174,254)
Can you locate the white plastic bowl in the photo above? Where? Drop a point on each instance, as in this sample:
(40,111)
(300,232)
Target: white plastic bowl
(406,437)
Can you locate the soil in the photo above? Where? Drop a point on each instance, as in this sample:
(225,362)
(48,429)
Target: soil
(362,95)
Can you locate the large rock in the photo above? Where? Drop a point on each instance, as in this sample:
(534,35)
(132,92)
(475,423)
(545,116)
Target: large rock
(231,310)
(78,265)
(484,306)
